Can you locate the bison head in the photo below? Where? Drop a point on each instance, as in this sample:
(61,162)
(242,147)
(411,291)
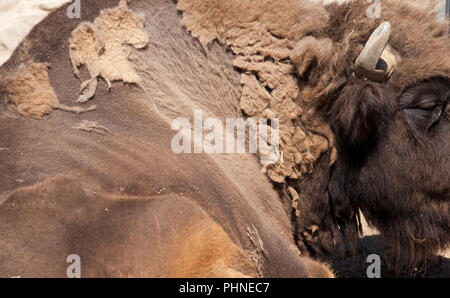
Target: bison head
(386,101)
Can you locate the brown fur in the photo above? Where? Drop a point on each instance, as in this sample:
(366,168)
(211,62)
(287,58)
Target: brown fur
(233,197)
(323,46)
(420,47)
(262,43)
(385,165)
(114,236)
(123,200)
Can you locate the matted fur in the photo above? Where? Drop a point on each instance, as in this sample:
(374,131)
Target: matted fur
(323,46)
(126,203)
(262,43)
(102,47)
(29,90)
(398,176)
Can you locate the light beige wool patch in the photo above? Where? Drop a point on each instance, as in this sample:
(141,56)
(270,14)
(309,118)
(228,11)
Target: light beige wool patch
(102,47)
(262,35)
(30,91)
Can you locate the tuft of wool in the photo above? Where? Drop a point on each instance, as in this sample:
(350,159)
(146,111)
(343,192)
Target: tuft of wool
(262,43)
(103,47)
(29,90)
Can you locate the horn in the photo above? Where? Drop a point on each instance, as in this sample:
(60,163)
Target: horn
(377,60)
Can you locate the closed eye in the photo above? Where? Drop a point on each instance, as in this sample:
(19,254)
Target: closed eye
(429,108)
(425,105)
(424,118)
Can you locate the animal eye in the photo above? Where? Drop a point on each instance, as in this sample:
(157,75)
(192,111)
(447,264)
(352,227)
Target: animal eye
(424,117)
(429,108)
(381,65)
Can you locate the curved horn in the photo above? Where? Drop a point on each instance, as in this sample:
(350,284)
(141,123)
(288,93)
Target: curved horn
(369,63)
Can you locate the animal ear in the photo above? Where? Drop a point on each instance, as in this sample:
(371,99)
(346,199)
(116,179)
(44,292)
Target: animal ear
(357,116)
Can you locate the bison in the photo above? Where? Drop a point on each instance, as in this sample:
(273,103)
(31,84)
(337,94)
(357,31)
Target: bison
(364,125)
(381,84)
(105,185)
(388,110)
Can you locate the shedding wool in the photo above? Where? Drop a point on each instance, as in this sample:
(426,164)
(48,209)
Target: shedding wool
(102,46)
(262,44)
